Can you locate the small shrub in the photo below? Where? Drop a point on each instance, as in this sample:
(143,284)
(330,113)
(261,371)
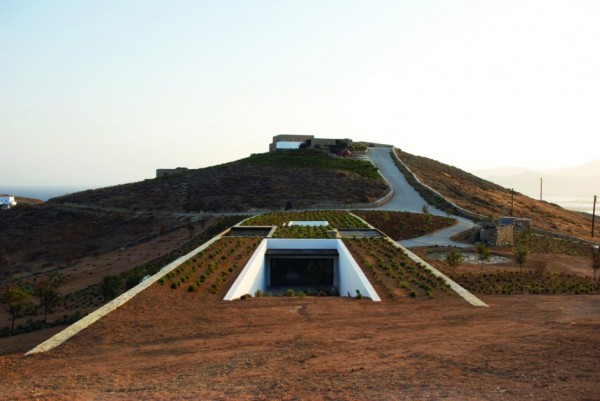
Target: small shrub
(289,292)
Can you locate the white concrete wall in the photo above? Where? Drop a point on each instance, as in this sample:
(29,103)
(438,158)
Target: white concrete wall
(352,277)
(253,276)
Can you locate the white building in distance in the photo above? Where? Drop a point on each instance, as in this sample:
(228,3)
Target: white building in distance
(7,201)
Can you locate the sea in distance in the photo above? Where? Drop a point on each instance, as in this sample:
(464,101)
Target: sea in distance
(41,193)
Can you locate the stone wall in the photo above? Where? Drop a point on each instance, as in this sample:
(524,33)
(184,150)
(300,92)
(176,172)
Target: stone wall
(498,235)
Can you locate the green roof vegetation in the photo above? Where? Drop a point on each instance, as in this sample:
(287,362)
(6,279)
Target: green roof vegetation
(336,219)
(311,158)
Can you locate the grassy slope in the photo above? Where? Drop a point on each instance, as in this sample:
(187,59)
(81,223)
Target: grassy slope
(489,199)
(312,158)
(264,181)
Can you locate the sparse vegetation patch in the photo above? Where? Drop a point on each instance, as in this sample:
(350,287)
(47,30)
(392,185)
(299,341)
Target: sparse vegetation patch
(404,225)
(303,158)
(336,219)
(213,268)
(394,272)
(527,282)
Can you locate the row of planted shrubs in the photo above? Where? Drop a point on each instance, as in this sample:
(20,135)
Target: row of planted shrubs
(527,282)
(392,269)
(300,232)
(215,263)
(336,219)
(301,294)
(34,325)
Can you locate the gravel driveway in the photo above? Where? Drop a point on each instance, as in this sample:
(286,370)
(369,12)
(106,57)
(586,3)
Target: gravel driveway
(406,199)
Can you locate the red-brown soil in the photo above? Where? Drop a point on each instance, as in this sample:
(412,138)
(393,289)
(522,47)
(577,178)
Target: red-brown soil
(168,344)
(554,262)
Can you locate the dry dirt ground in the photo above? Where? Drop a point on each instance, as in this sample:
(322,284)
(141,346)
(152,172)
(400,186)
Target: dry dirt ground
(554,263)
(175,345)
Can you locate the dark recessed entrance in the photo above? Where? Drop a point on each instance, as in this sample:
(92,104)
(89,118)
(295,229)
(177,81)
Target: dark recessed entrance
(302,269)
(291,272)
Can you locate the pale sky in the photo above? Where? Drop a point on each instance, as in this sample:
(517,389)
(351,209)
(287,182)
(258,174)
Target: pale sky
(98,93)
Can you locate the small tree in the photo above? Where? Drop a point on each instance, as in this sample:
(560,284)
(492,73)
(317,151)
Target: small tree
(190,227)
(453,259)
(520,254)
(483,253)
(427,220)
(385,216)
(17,302)
(539,266)
(521,250)
(46,292)
(111,286)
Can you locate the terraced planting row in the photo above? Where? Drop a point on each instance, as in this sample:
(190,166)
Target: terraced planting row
(300,232)
(336,219)
(527,282)
(395,272)
(212,268)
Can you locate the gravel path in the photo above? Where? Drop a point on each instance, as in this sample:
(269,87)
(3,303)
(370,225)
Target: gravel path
(407,199)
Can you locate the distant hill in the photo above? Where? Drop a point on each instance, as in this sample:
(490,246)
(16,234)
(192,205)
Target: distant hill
(27,201)
(591,169)
(562,186)
(490,199)
(301,178)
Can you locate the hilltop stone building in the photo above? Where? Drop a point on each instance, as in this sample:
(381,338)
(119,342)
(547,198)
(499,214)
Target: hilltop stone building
(163,172)
(283,142)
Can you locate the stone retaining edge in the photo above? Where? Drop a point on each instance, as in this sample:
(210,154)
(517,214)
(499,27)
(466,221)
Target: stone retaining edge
(99,313)
(460,290)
